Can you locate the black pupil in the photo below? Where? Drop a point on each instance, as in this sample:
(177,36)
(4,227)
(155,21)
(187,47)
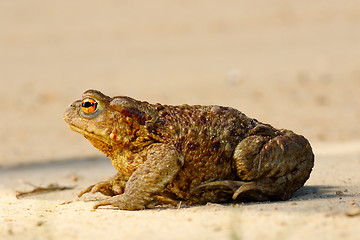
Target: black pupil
(88,104)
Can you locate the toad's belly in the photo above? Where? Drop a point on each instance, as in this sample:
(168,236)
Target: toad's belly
(195,172)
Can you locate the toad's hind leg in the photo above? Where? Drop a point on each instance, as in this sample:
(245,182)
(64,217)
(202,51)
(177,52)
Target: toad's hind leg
(272,167)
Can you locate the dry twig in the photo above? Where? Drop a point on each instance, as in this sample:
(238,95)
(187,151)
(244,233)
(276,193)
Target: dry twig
(40,190)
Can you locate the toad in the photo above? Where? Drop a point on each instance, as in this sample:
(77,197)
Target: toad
(194,154)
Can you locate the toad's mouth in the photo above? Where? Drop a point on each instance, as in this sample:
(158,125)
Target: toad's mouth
(89,134)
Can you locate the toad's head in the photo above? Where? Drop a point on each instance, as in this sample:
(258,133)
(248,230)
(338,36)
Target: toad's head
(110,124)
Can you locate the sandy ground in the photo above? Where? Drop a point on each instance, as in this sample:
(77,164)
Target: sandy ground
(292,64)
(323,209)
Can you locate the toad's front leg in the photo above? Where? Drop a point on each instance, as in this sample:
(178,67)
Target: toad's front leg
(150,179)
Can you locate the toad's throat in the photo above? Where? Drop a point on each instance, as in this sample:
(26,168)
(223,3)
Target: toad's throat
(90,134)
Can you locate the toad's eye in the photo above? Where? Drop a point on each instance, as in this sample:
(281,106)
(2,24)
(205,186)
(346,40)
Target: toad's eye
(88,105)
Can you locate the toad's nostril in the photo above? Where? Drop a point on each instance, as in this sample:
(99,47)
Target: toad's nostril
(75,104)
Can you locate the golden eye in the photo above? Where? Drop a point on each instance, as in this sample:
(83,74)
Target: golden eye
(88,105)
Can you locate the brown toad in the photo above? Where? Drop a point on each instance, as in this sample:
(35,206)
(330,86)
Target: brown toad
(196,154)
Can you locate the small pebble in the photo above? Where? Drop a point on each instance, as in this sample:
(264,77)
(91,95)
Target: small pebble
(340,193)
(353,211)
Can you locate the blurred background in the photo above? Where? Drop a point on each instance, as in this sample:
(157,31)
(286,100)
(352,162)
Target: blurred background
(293,64)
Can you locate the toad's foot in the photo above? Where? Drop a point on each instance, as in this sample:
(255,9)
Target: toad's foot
(240,191)
(124,202)
(127,202)
(228,190)
(103,187)
(112,187)
(217,191)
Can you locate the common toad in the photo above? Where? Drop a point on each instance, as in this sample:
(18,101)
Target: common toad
(196,154)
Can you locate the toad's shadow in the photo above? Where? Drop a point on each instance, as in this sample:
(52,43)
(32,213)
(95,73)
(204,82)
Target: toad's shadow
(320,192)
